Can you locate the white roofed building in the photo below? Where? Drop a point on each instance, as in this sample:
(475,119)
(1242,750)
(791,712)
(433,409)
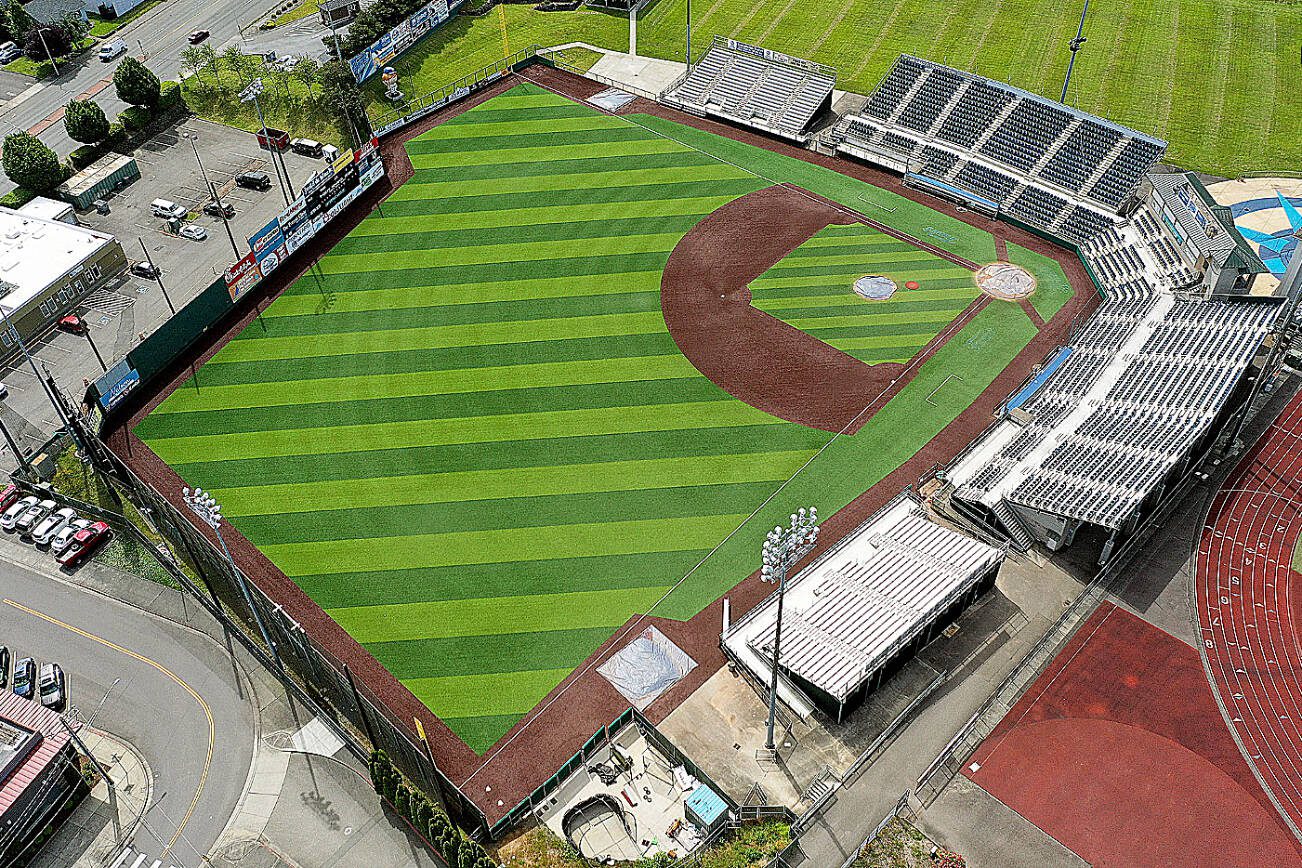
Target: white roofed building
(46,267)
(883,592)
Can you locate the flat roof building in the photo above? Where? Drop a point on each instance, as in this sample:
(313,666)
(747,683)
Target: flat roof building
(47,267)
(39,776)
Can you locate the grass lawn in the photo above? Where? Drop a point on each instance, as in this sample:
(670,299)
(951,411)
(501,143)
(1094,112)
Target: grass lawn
(101,27)
(43,68)
(212,94)
(1176,69)
(473,442)
(298,13)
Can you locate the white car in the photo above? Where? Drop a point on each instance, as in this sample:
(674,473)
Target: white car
(52,524)
(34,515)
(64,537)
(194,233)
(12,514)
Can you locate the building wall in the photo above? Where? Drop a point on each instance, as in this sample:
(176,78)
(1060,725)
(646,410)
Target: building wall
(60,297)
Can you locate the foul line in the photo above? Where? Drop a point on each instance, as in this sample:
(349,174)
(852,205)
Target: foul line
(212,734)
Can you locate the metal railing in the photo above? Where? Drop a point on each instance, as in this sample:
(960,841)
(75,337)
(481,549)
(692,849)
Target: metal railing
(901,808)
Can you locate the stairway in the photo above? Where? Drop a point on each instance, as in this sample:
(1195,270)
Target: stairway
(1014,526)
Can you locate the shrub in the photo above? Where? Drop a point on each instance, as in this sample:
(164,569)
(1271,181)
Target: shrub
(30,163)
(134,118)
(84,156)
(17,197)
(171,96)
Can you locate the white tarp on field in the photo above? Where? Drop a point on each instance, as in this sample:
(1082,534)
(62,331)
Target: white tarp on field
(646,667)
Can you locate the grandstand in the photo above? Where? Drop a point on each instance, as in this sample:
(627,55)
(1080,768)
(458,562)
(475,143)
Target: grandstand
(1121,413)
(754,86)
(999,149)
(885,589)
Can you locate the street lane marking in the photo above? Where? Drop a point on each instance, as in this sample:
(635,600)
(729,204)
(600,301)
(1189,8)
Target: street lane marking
(207,711)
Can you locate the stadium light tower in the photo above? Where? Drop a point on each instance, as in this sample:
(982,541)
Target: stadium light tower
(251,94)
(1075,45)
(203,505)
(782,548)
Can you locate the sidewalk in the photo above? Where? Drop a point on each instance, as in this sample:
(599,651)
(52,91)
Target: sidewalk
(104,819)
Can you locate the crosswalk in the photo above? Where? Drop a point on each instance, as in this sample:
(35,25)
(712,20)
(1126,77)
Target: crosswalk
(129,858)
(107,301)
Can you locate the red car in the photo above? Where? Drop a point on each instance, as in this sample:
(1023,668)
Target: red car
(73,324)
(85,542)
(8,496)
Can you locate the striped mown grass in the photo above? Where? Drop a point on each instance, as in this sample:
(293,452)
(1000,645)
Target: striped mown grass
(470,437)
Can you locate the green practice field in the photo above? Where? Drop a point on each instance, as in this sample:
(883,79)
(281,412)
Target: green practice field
(1216,78)
(471,439)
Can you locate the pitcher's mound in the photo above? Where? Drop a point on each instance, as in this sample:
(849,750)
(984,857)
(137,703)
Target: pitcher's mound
(1004,280)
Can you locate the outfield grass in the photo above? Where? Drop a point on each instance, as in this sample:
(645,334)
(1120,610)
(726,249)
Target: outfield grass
(1216,78)
(471,438)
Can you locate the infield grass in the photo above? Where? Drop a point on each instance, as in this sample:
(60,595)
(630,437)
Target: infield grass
(473,442)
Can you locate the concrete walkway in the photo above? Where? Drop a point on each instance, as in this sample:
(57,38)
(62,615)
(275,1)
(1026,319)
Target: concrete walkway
(647,74)
(99,825)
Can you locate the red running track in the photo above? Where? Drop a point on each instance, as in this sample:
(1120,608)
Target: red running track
(1249,609)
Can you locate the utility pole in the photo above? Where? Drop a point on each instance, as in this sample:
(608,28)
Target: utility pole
(158,276)
(212,191)
(1076,44)
(782,549)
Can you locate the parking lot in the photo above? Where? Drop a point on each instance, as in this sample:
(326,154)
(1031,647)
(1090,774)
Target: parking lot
(121,314)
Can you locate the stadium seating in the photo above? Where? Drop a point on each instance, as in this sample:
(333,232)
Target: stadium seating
(1044,163)
(753,86)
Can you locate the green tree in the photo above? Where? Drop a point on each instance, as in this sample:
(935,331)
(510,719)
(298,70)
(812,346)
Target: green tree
(85,121)
(192,60)
(29,163)
(213,62)
(19,21)
(233,59)
(306,74)
(76,27)
(343,100)
(136,85)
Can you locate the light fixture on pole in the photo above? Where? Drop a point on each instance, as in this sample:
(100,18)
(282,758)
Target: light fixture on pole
(782,549)
(212,190)
(203,505)
(1075,45)
(251,94)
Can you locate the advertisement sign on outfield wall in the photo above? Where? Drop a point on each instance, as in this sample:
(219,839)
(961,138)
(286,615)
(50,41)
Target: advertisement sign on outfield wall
(117,383)
(242,276)
(380,52)
(268,245)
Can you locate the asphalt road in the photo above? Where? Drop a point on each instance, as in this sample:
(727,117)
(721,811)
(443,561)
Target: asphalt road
(172,693)
(159,34)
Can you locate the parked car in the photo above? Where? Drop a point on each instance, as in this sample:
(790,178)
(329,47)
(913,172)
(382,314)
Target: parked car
(11,515)
(63,538)
(194,233)
(84,543)
(286,63)
(145,269)
(9,52)
(52,687)
(4,667)
(219,209)
(52,524)
(166,209)
(28,521)
(9,496)
(260,181)
(25,677)
(329,153)
(307,147)
(111,49)
(270,137)
(72,324)
(198,36)
(4,391)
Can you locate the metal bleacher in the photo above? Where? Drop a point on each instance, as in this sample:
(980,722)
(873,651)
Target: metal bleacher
(754,86)
(1143,384)
(1047,164)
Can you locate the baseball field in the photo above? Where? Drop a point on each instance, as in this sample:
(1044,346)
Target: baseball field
(470,437)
